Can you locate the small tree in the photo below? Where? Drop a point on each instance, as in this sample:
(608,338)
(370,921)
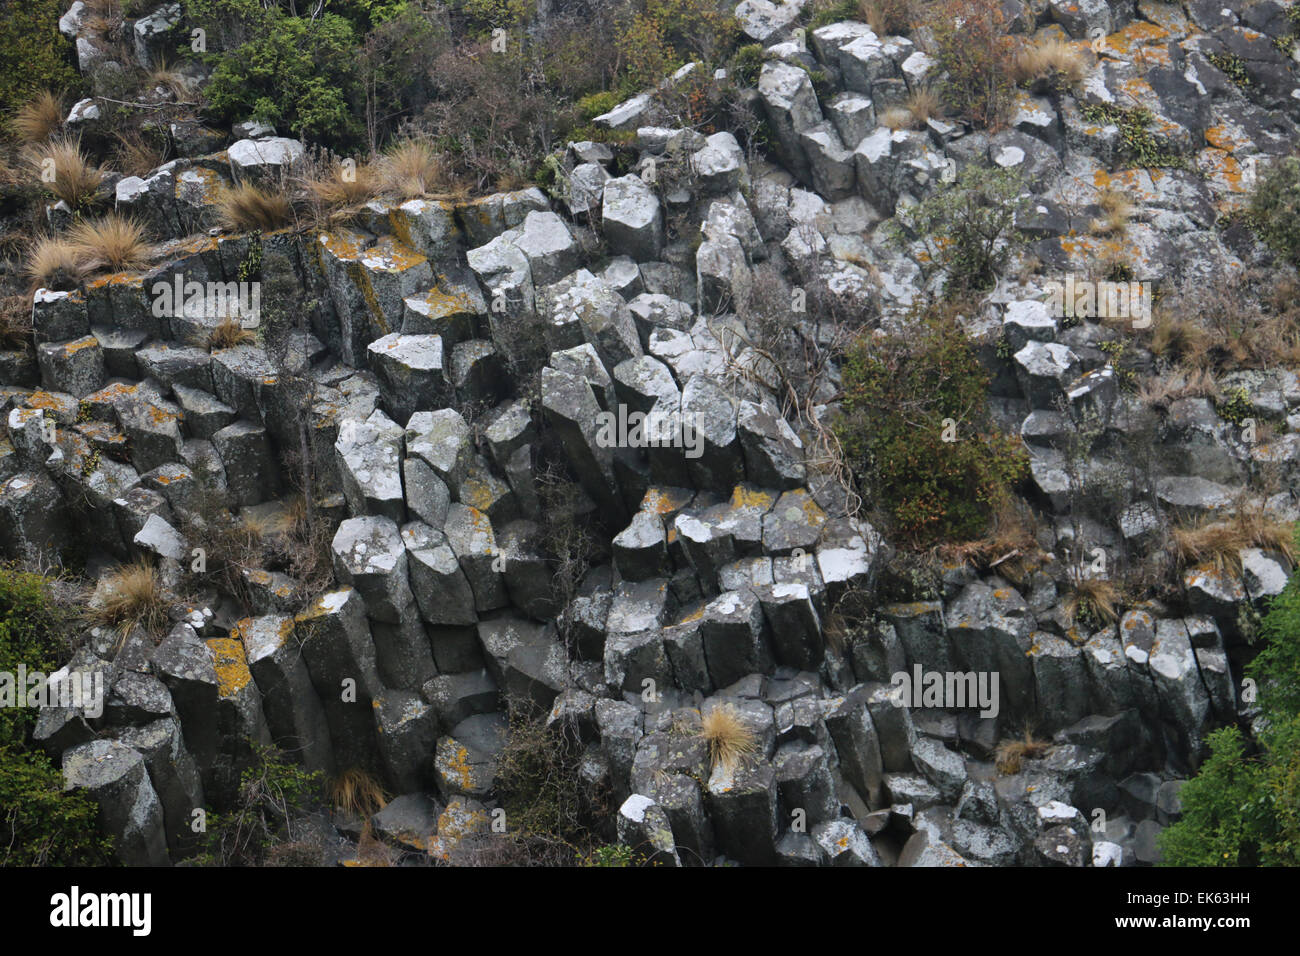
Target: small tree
(972,221)
(976,56)
(1275,209)
(916,430)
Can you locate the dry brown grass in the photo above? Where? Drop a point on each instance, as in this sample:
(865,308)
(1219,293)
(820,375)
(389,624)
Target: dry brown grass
(1011,754)
(728,738)
(61,167)
(227,334)
(53,263)
(1092,601)
(887,17)
(131,596)
(1051,64)
(339,185)
(1218,543)
(357,792)
(246,207)
(111,242)
(15,321)
(167,77)
(1173,386)
(39,118)
(1009,548)
(1245,320)
(1116,210)
(136,154)
(412,169)
(896,118)
(923,104)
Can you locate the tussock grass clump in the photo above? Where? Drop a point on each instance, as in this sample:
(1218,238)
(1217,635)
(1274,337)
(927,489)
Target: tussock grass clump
(887,17)
(110,242)
(39,118)
(246,207)
(1093,602)
(1011,754)
(339,185)
(228,334)
(1116,210)
(357,792)
(1219,543)
(412,169)
(53,263)
(62,168)
(922,104)
(132,596)
(15,321)
(727,736)
(1050,65)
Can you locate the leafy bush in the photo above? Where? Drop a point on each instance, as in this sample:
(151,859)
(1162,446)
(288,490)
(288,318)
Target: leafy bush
(40,824)
(1275,209)
(34,55)
(915,429)
(973,223)
(974,52)
(1139,145)
(296,73)
(275,795)
(1243,808)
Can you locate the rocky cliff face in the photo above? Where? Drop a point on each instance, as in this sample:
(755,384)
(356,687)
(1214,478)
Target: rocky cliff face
(452,356)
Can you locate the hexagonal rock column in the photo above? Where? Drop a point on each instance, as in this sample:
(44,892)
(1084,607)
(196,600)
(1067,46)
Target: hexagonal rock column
(369,455)
(407,733)
(412,372)
(466,760)
(632,219)
(742,804)
(370,556)
(240,723)
(129,809)
(340,657)
(293,711)
(525,659)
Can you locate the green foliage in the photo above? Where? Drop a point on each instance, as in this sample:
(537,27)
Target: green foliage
(975,59)
(613,854)
(488,15)
(747,64)
(1235,407)
(832,11)
(915,427)
(595,104)
(34,55)
(297,74)
(1232,66)
(40,824)
(972,222)
(540,787)
(1243,808)
(1139,145)
(275,794)
(1275,209)
(667,33)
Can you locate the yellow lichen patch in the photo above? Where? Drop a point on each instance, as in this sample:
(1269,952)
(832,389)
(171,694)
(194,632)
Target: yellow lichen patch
(1139,33)
(231,665)
(747,496)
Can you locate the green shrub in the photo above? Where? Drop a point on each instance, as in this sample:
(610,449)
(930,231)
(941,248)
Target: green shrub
(1243,808)
(298,74)
(972,221)
(747,64)
(975,59)
(40,825)
(1138,144)
(1275,209)
(275,796)
(34,55)
(916,431)
(595,104)
(827,12)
